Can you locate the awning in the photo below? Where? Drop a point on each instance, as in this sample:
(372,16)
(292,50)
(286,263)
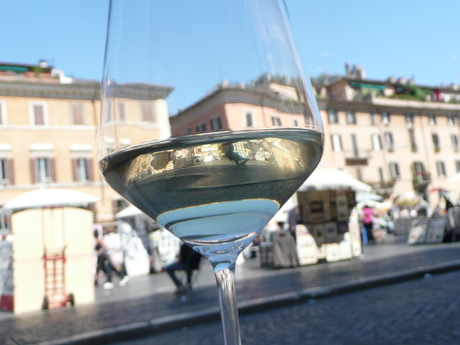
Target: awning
(49,198)
(329,178)
(357,85)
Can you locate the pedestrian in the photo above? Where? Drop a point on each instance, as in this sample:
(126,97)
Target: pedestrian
(187,260)
(114,262)
(367,217)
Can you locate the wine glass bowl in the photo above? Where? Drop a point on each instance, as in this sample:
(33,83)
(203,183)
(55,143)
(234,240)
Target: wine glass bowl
(244,130)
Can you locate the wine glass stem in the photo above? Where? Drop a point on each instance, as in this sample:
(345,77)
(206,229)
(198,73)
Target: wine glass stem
(225,277)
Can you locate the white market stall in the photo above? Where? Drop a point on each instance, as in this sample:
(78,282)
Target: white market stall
(329,227)
(52,262)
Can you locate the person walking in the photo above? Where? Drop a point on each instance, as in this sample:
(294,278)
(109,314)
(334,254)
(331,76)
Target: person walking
(367,217)
(114,262)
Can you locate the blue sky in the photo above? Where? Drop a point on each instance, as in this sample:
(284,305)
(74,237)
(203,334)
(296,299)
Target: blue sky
(408,38)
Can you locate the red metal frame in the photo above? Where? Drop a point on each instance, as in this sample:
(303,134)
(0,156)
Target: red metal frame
(54,263)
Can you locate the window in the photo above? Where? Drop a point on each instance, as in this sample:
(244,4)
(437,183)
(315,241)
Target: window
(216,123)
(385,117)
(435,139)
(409,119)
(381,177)
(389,141)
(394,170)
(376,142)
(82,169)
(147,112)
(336,142)
(295,122)
(373,118)
(249,119)
(450,120)
(332,116)
(77,114)
(441,168)
(419,168)
(121,111)
(187,131)
(457,166)
(351,117)
(4,222)
(6,171)
(43,170)
(276,121)
(412,140)
(431,119)
(2,113)
(354,141)
(359,173)
(201,127)
(454,142)
(38,114)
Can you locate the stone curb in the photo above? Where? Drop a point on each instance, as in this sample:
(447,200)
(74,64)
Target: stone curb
(176,321)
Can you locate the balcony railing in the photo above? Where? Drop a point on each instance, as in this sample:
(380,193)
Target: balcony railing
(421,177)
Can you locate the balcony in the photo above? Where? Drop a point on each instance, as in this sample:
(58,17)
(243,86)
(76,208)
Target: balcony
(421,178)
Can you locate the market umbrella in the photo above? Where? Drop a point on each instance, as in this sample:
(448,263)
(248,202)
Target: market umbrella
(454,178)
(363,196)
(130,211)
(47,198)
(329,178)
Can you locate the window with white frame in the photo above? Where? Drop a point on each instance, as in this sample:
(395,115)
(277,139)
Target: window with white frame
(354,143)
(77,114)
(336,142)
(409,119)
(376,142)
(121,111)
(276,121)
(216,123)
(441,168)
(2,113)
(81,169)
(38,115)
(332,116)
(373,118)
(389,141)
(249,118)
(4,171)
(295,122)
(454,139)
(436,143)
(394,170)
(351,117)
(450,120)
(385,117)
(431,119)
(457,166)
(148,112)
(43,170)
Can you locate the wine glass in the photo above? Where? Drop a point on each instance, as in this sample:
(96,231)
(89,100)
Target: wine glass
(208,124)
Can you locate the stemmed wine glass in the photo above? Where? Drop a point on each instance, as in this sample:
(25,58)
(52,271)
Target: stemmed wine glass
(208,124)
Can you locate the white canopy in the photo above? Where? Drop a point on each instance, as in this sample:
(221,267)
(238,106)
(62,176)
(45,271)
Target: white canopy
(363,196)
(129,211)
(454,178)
(49,197)
(329,178)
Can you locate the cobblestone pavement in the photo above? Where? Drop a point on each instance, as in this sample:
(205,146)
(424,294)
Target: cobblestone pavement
(423,311)
(252,283)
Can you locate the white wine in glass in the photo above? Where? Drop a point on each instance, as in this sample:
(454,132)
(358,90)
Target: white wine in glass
(208,124)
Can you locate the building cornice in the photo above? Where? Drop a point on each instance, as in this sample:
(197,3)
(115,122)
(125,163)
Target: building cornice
(81,91)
